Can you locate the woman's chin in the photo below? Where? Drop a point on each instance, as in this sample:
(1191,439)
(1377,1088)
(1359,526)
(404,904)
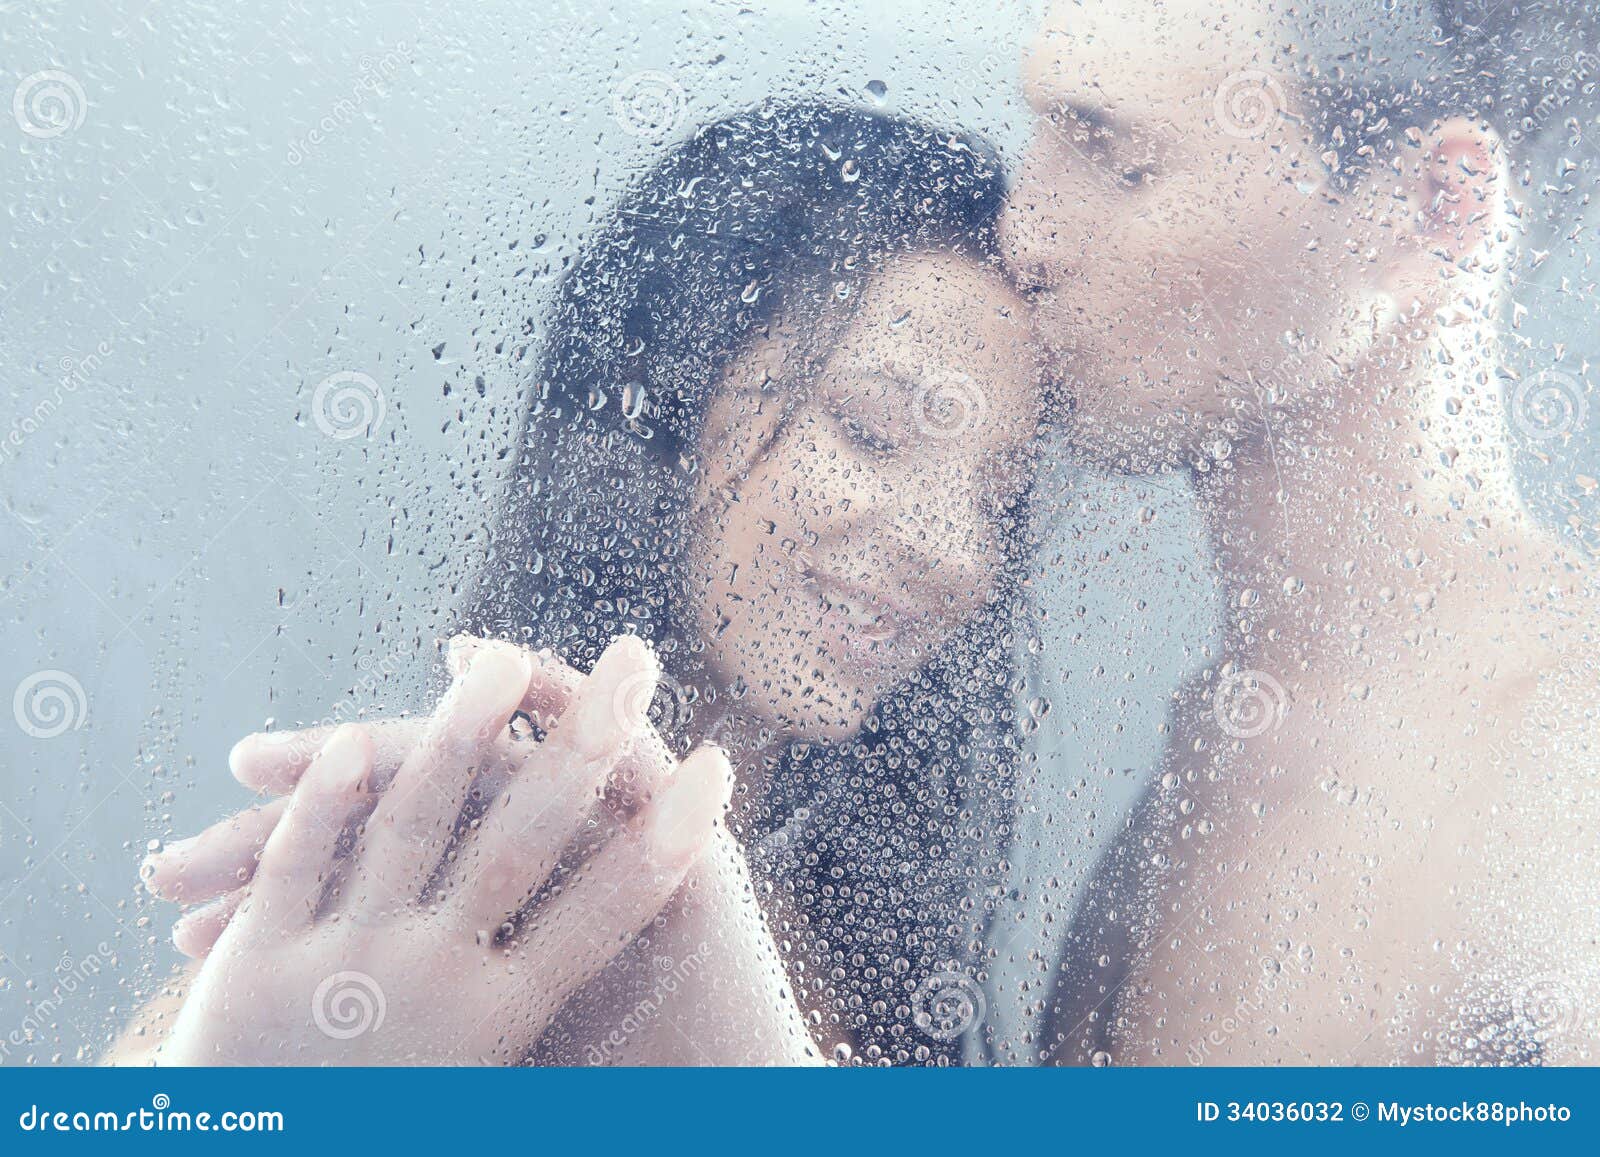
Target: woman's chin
(838,687)
(831,715)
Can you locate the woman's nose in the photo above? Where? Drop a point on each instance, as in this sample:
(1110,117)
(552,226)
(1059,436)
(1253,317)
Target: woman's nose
(936,539)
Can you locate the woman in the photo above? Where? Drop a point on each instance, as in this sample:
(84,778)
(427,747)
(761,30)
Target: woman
(781,432)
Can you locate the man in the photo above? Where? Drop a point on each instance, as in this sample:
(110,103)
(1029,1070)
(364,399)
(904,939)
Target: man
(1287,285)
(1272,247)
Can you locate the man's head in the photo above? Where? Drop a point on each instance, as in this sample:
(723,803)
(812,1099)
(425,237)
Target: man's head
(1239,207)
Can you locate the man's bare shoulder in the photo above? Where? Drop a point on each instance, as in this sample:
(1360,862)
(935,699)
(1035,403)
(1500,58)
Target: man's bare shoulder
(1528,951)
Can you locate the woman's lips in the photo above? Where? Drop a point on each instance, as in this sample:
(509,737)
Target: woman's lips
(871,625)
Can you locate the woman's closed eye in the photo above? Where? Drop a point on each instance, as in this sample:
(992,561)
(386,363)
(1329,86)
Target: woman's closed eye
(863,435)
(868,415)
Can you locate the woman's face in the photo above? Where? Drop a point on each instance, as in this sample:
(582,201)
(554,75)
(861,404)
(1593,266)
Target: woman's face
(853,520)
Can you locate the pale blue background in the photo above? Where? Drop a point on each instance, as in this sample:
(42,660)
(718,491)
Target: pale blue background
(183,541)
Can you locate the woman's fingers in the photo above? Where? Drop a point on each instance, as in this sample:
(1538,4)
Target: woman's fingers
(219,859)
(408,831)
(223,857)
(631,879)
(273,761)
(294,864)
(198,930)
(549,690)
(604,728)
(559,784)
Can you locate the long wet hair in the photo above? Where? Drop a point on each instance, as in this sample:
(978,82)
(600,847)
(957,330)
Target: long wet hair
(880,848)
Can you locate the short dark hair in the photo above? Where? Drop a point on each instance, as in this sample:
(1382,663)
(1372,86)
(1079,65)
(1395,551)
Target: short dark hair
(1372,69)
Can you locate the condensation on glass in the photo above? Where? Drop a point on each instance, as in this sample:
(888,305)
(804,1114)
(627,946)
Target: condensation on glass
(1099,505)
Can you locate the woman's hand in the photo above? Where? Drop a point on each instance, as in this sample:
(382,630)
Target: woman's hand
(207,873)
(706,986)
(437,941)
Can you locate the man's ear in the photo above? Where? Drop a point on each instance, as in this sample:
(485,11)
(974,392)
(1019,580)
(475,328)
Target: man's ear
(1455,184)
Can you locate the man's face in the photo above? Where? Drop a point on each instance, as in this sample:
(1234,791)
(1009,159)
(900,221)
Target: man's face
(1176,230)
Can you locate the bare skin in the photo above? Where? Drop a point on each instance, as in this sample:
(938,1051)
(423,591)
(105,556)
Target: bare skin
(856,542)
(324,958)
(1399,865)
